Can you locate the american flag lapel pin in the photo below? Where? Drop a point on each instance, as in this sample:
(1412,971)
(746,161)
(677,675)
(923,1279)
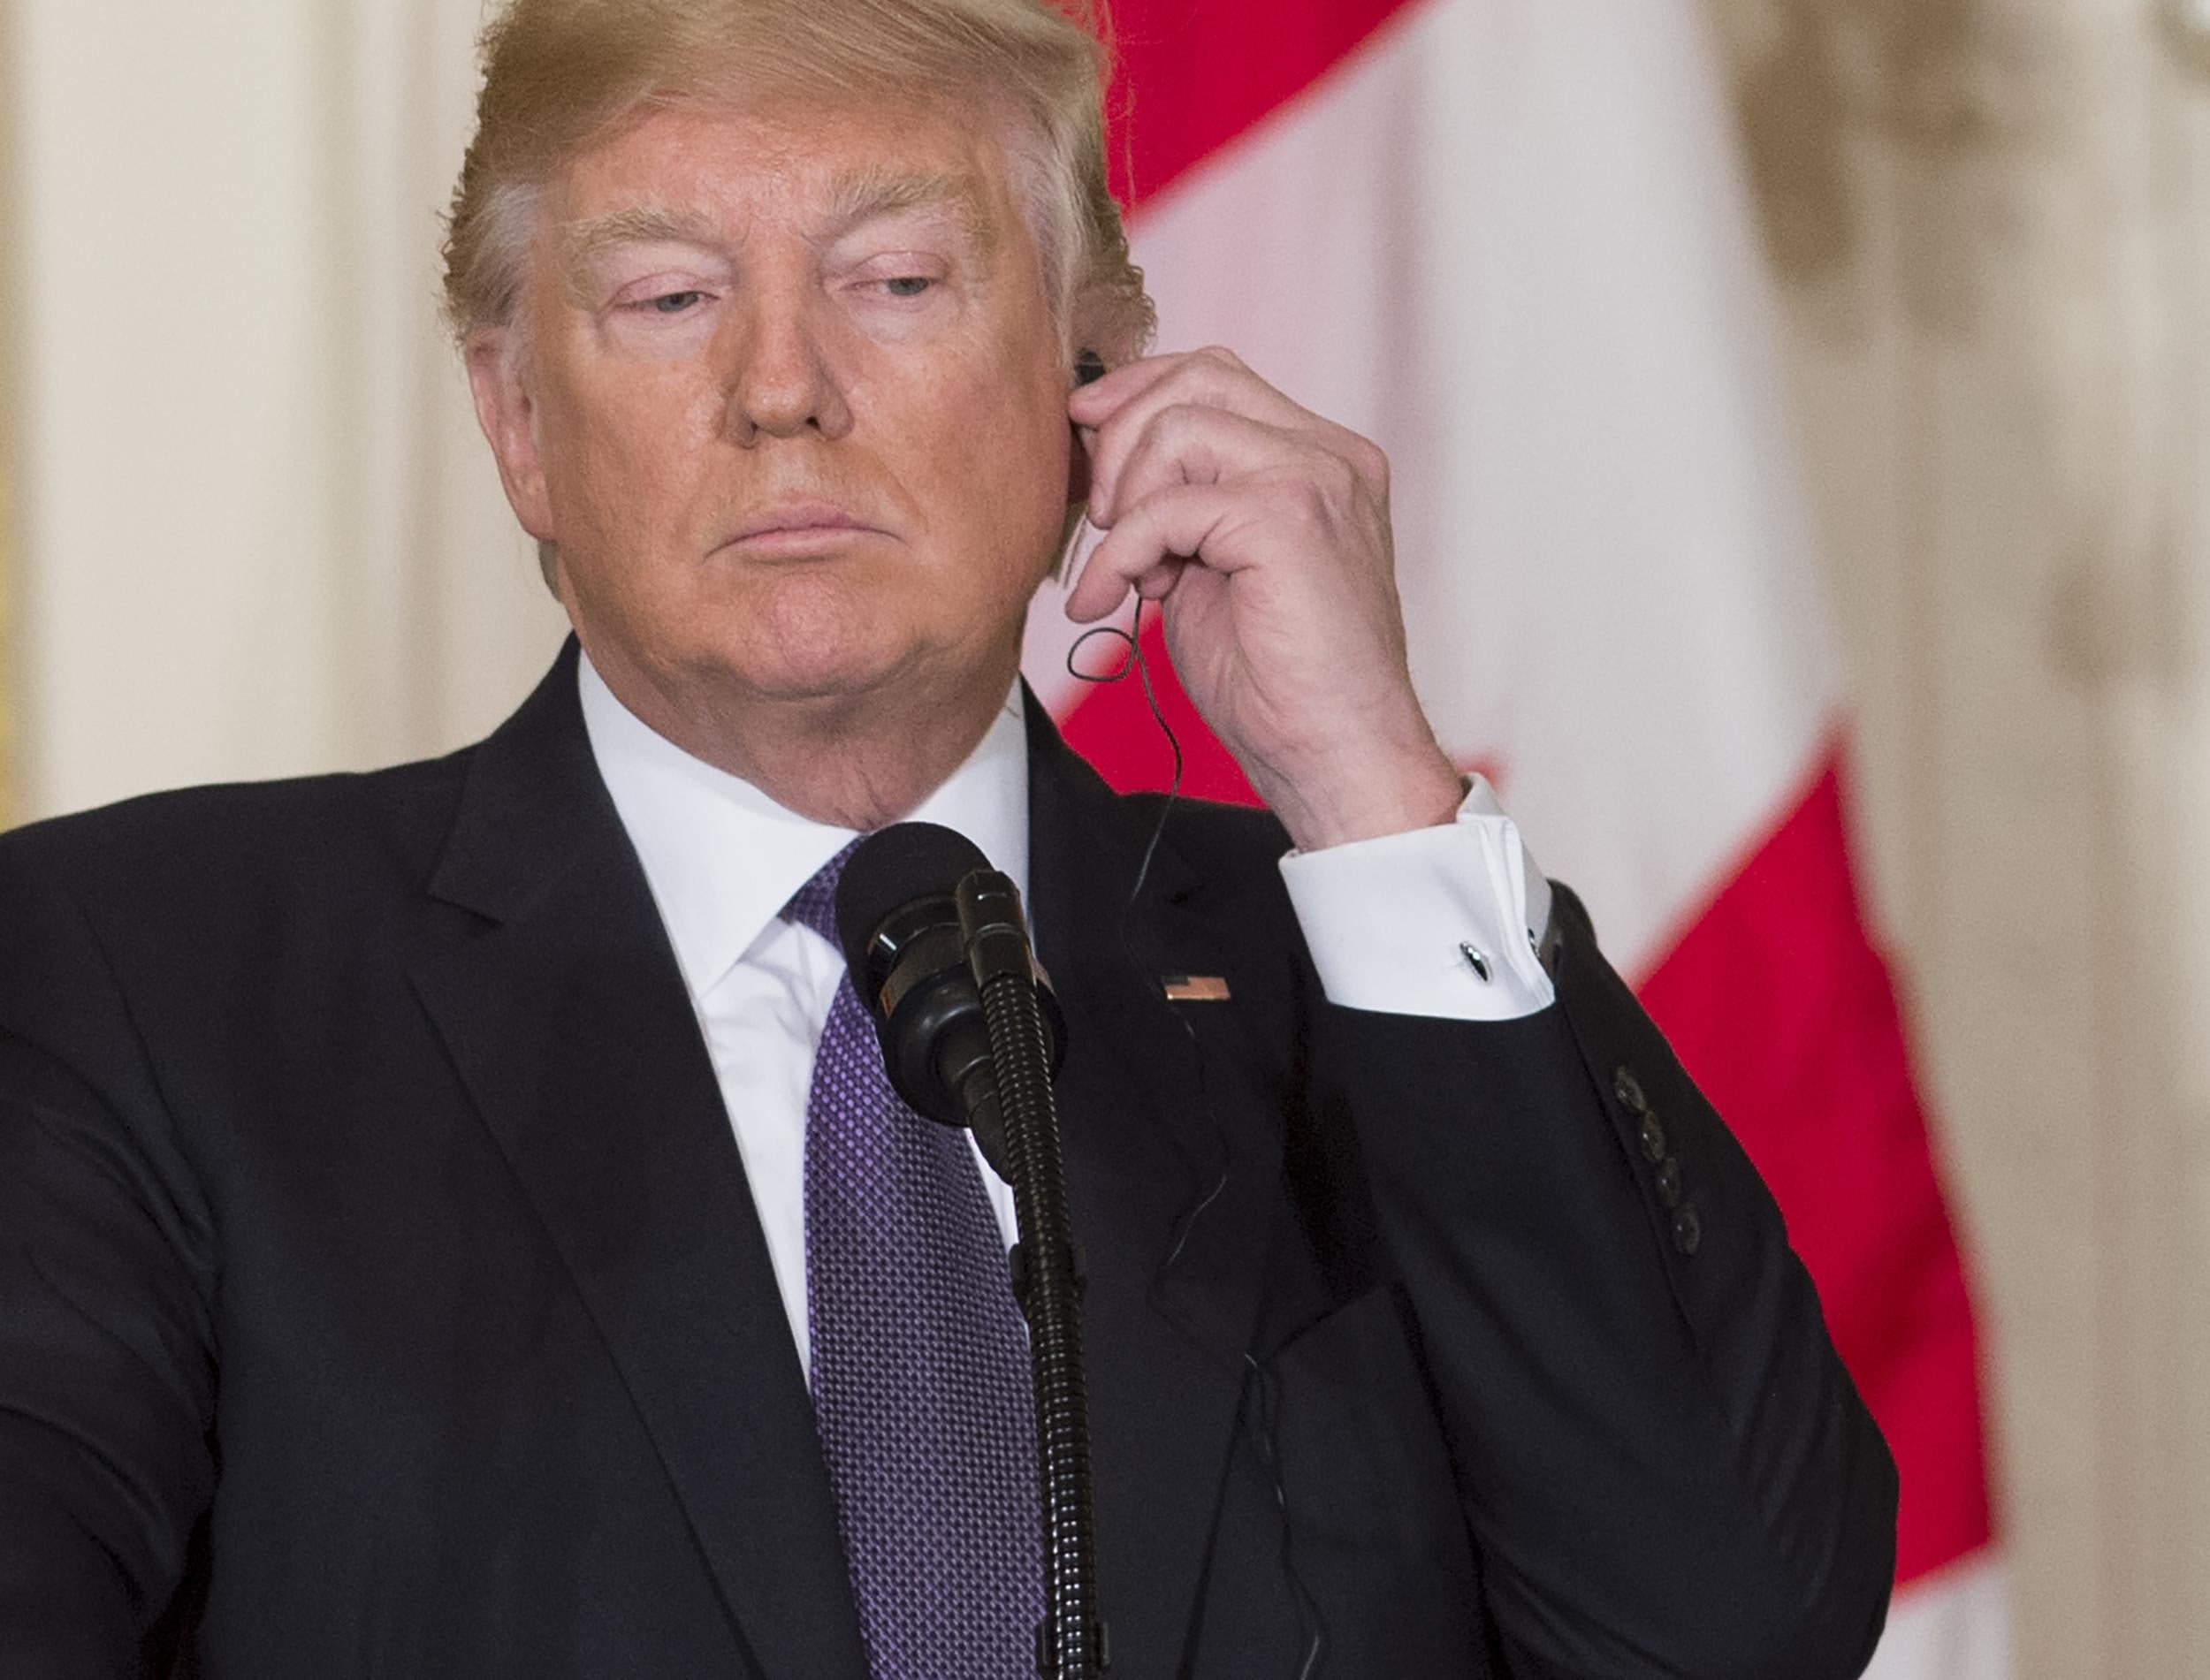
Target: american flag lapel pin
(1194,988)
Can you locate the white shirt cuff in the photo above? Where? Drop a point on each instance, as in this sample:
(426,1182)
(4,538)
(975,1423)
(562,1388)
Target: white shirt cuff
(1439,922)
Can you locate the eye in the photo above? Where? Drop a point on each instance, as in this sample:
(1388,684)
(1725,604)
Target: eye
(908,286)
(675,302)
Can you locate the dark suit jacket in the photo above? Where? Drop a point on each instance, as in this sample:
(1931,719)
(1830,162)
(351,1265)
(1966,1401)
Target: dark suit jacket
(380,1292)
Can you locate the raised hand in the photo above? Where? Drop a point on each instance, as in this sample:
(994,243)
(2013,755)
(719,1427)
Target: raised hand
(1263,531)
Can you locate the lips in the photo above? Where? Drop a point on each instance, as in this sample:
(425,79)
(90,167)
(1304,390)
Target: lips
(795,522)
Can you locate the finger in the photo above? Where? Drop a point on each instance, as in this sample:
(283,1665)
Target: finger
(1101,591)
(1211,379)
(1088,405)
(1158,582)
(1192,443)
(1152,545)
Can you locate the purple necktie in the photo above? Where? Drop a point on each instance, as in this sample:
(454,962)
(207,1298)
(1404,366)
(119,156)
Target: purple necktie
(921,1386)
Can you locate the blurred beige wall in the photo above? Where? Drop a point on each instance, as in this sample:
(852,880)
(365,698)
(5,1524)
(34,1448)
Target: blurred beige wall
(246,455)
(10,319)
(1992,219)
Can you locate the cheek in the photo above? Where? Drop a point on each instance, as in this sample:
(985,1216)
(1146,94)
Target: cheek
(620,461)
(998,455)
(1040,439)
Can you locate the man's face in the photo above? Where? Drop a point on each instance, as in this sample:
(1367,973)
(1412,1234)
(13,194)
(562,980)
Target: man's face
(794,406)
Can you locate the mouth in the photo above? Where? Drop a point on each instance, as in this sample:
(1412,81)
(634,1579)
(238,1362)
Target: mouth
(800,526)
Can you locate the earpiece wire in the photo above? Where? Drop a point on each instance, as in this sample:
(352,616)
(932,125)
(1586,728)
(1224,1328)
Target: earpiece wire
(1311,1625)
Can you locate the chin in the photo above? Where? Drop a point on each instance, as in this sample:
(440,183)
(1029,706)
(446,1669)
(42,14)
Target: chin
(818,637)
(827,676)
(812,667)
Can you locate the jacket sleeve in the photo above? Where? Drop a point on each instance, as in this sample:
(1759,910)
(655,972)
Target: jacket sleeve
(107,1371)
(1665,1464)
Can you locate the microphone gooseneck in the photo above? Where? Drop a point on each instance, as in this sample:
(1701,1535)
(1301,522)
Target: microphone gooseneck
(937,949)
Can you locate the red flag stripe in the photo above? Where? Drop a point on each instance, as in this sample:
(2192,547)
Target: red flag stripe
(1194,76)
(1783,1012)
(1772,991)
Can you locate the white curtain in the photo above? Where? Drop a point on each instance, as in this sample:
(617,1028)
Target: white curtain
(259,534)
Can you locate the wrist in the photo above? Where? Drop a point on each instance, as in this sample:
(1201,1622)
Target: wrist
(1422,790)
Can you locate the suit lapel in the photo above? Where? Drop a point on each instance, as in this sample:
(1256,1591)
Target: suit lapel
(570,1025)
(568,1022)
(1171,1158)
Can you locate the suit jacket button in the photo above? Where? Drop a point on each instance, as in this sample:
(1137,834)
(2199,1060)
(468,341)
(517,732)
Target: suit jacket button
(1628,1090)
(1688,1230)
(1669,1186)
(1653,1139)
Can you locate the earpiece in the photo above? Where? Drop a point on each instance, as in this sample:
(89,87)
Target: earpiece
(1089,368)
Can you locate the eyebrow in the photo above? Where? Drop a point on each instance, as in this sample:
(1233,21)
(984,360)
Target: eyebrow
(862,194)
(584,242)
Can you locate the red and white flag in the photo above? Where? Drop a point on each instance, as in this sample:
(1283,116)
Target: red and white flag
(1508,240)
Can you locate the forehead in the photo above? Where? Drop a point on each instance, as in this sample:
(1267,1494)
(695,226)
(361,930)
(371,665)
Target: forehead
(730,166)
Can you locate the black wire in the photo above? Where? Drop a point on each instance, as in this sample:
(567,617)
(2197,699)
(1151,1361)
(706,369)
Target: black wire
(1310,1626)
(1137,662)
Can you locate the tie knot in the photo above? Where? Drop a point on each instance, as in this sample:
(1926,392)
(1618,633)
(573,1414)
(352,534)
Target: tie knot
(814,904)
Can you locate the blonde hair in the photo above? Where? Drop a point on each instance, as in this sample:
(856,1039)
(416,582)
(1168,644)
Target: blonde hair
(559,75)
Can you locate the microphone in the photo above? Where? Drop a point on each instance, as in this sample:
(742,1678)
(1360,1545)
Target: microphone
(899,919)
(972,1036)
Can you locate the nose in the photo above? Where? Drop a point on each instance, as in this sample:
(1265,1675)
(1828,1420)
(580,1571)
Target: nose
(781,383)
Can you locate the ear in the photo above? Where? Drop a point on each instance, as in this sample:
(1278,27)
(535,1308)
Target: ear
(1089,367)
(1077,472)
(507,410)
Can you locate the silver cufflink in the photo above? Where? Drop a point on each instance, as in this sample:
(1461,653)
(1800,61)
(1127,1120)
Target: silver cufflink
(1474,959)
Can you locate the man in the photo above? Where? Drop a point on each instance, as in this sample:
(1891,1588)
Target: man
(446,1231)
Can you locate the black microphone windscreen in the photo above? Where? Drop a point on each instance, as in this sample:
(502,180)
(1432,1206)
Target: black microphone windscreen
(888,870)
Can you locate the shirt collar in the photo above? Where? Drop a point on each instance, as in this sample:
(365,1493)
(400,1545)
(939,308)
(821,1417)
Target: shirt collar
(722,858)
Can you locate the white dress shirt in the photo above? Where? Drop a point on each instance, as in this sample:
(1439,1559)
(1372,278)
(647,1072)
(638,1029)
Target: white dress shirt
(1388,923)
